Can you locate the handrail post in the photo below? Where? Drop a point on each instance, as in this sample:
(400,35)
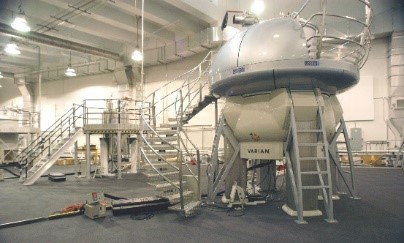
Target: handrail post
(84,112)
(188,94)
(216,114)
(153,111)
(200,92)
(74,116)
(119,111)
(198,161)
(322,30)
(61,128)
(180,159)
(49,147)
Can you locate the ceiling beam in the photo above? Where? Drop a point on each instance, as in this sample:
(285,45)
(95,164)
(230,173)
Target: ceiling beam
(165,16)
(204,10)
(114,18)
(58,42)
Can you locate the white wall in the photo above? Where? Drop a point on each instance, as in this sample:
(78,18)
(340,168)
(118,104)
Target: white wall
(375,67)
(10,95)
(58,96)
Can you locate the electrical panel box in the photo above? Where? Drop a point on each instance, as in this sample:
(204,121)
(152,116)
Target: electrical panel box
(356,139)
(397,103)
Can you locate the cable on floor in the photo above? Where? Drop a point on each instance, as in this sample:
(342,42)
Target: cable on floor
(142,216)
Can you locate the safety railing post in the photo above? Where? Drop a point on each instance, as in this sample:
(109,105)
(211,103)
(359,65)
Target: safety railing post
(68,128)
(74,116)
(49,146)
(153,111)
(119,111)
(84,113)
(189,93)
(180,158)
(200,92)
(198,161)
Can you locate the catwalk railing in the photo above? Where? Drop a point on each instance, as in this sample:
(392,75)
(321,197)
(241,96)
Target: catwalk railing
(92,111)
(331,35)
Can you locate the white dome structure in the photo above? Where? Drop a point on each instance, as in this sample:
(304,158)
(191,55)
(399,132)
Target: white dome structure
(281,53)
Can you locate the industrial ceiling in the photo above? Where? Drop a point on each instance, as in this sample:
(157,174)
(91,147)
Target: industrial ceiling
(93,33)
(97,36)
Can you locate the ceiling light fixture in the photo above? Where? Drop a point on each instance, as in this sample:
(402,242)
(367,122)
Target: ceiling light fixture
(20,23)
(12,48)
(137,55)
(70,72)
(1,75)
(257,7)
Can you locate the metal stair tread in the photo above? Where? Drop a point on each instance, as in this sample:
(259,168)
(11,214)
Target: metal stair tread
(176,196)
(162,153)
(165,185)
(159,147)
(157,139)
(187,207)
(311,144)
(313,158)
(159,164)
(309,130)
(314,187)
(162,132)
(171,119)
(314,172)
(168,125)
(161,173)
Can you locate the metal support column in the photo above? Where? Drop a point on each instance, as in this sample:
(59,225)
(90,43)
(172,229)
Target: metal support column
(119,155)
(216,114)
(104,156)
(76,160)
(134,155)
(88,156)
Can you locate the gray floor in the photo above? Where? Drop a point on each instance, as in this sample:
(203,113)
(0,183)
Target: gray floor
(377,217)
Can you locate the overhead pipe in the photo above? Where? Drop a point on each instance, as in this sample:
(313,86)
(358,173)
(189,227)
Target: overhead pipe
(58,42)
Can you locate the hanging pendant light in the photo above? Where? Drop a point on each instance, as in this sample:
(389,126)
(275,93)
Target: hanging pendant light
(12,49)
(70,72)
(137,55)
(20,23)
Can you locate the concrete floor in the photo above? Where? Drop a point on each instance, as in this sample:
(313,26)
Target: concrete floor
(377,217)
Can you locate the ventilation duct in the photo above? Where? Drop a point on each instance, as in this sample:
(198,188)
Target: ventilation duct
(396,80)
(207,39)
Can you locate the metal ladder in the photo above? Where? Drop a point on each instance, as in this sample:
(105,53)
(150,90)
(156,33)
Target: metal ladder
(321,163)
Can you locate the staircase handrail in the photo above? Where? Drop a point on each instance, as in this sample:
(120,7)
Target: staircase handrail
(25,157)
(191,93)
(151,95)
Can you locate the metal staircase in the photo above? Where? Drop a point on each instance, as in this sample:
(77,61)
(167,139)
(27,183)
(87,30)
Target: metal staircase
(308,161)
(44,151)
(171,159)
(40,168)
